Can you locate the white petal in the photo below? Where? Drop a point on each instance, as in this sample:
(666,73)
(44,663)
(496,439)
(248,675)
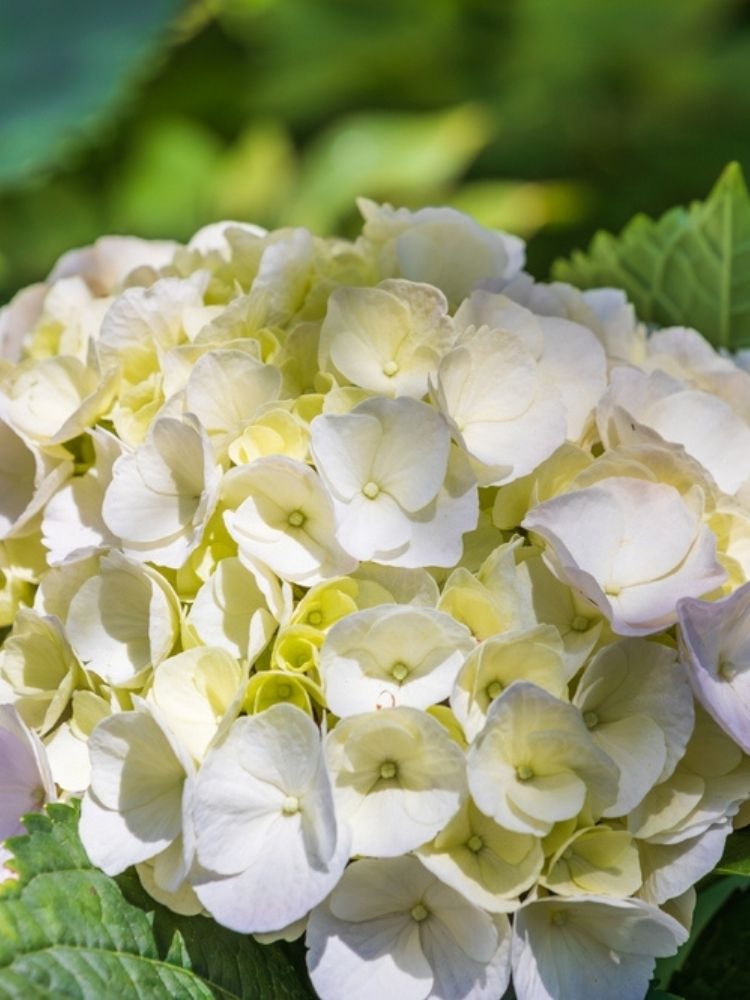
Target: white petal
(587,948)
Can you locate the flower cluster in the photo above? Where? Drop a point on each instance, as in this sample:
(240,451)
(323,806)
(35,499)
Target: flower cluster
(371,591)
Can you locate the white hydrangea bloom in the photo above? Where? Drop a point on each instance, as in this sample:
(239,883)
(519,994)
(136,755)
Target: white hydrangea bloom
(387,339)
(122,619)
(535,655)
(632,547)
(213,237)
(502,411)
(535,763)
(37,662)
(52,400)
(715,646)
(596,860)
(605,311)
(673,868)
(18,317)
(398,778)
(440,246)
(282,278)
(60,584)
(194,691)
(589,947)
(28,478)
(163,878)
(231,611)
(143,323)
(495,599)
(69,320)
(224,390)
(140,779)
(489,865)
(578,622)
(707,427)
(391,928)
(348,548)
(708,786)
(385,466)
(67,747)
(286,520)
(403,586)
(570,360)
(72,524)
(681,826)
(391,655)
(162,494)
(636,702)
(685,355)
(106,264)
(267,837)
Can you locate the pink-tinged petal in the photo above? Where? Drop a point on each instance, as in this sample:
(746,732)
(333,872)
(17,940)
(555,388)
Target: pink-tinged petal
(715,647)
(631,546)
(25,779)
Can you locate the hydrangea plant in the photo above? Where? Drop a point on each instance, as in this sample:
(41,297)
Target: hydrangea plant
(372,594)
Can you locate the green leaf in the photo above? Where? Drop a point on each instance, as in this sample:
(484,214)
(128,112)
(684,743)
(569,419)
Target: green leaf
(711,898)
(718,965)
(736,857)
(691,267)
(389,155)
(68,930)
(62,66)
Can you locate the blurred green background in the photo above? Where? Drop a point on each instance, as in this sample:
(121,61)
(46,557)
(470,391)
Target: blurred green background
(546,117)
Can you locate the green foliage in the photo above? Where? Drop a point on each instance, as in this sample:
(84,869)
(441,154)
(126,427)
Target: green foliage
(713,895)
(691,267)
(63,67)
(718,964)
(382,153)
(68,930)
(583,113)
(736,857)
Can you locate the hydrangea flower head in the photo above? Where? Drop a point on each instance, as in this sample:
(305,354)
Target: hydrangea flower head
(371,591)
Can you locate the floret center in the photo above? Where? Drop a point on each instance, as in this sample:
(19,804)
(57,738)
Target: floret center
(494,690)
(290,805)
(371,490)
(399,671)
(591,719)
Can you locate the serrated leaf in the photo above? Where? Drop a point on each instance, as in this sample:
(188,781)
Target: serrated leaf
(67,930)
(216,954)
(691,267)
